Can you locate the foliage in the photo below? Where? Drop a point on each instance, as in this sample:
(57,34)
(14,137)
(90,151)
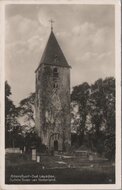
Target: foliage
(97,115)
(80,95)
(26,113)
(27,107)
(26,117)
(109,146)
(12,127)
(32,140)
(20,122)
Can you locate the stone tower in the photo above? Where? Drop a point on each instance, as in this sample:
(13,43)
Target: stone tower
(53,97)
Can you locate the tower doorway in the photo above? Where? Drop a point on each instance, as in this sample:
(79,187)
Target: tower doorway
(55,145)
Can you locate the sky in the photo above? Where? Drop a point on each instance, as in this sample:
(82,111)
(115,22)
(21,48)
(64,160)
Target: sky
(85,34)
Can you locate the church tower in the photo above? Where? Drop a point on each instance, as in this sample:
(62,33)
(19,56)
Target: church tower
(53,97)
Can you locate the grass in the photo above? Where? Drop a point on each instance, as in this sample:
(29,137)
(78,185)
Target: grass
(51,170)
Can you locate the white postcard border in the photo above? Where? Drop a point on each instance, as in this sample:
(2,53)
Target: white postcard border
(118,93)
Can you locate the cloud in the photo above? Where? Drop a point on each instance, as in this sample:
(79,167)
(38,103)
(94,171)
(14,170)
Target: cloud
(24,45)
(19,28)
(85,28)
(43,19)
(92,66)
(85,34)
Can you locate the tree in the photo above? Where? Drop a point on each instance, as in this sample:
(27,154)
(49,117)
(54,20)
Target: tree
(27,112)
(80,95)
(96,127)
(96,106)
(12,126)
(9,106)
(32,140)
(109,143)
(101,106)
(27,120)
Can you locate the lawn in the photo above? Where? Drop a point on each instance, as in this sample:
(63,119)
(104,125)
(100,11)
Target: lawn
(20,169)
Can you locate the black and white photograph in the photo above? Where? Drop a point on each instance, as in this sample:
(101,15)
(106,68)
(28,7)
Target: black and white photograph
(60,85)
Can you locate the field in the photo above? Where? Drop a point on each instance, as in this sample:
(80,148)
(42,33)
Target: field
(20,169)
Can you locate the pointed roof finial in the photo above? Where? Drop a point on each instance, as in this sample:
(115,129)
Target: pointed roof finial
(51,22)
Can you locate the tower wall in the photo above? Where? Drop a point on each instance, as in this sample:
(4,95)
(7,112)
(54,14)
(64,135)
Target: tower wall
(53,106)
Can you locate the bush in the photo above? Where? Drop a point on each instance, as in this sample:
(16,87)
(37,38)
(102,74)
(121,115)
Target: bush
(109,150)
(43,148)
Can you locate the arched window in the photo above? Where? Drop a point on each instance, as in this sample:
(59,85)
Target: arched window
(55,72)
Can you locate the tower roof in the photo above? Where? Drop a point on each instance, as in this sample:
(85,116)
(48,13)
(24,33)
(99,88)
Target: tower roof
(53,54)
